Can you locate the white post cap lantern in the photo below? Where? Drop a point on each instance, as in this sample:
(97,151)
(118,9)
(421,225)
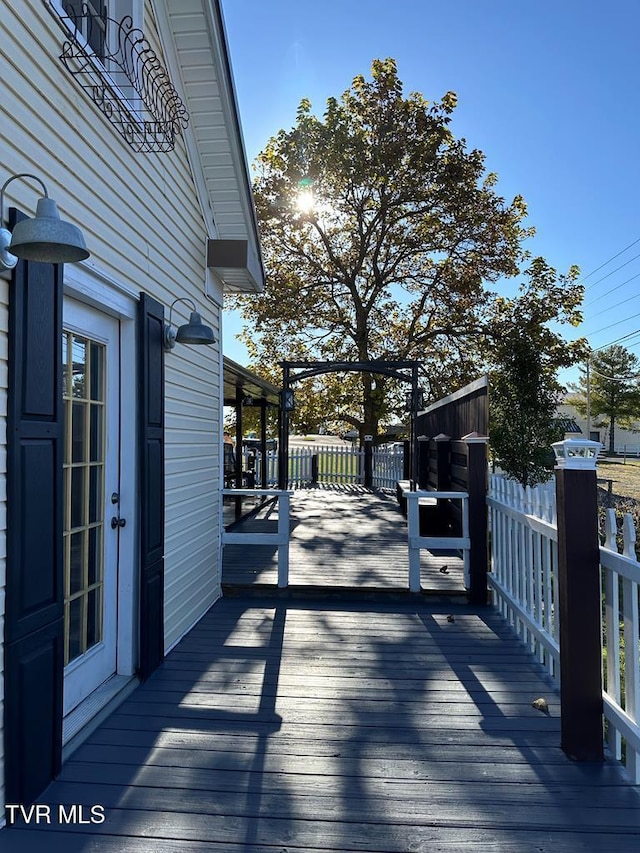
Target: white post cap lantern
(576,453)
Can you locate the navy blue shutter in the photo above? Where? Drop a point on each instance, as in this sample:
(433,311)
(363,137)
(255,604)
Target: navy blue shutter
(151,416)
(34,621)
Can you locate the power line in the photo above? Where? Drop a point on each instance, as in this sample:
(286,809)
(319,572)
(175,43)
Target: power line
(616,378)
(618,340)
(618,304)
(625,264)
(611,325)
(609,292)
(617,255)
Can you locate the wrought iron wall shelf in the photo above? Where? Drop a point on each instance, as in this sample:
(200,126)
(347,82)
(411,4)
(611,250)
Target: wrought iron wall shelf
(124,77)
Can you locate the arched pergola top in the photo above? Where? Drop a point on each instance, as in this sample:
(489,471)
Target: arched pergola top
(393,369)
(404,371)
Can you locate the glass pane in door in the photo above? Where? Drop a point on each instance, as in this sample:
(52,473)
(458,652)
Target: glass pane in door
(84,466)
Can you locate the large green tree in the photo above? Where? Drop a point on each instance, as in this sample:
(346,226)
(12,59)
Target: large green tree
(527,352)
(381,233)
(614,389)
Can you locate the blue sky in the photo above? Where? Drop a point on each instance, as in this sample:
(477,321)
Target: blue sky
(548,89)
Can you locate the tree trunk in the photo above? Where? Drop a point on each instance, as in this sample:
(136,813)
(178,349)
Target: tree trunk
(370,423)
(612,435)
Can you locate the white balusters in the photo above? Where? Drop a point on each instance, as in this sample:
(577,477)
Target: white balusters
(524,556)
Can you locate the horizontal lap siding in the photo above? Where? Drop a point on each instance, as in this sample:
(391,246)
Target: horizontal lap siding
(192,571)
(192,450)
(143,225)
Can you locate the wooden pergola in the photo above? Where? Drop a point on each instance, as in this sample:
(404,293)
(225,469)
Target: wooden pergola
(404,371)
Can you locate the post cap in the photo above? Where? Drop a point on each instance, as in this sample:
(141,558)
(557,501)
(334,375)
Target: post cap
(475,438)
(577,453)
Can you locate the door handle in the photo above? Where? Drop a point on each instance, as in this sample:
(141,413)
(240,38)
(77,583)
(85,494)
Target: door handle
(116,521)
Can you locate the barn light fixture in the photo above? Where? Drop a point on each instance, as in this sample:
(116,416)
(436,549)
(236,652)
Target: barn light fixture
(193,332)
(45,238)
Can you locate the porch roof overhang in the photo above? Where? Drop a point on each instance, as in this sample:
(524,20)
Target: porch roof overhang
(198,34)
(236,376)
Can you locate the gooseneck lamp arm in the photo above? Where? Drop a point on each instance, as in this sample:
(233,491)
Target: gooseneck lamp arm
(193,332)
(46,238)
(184,299)
(15,178)
(7,259)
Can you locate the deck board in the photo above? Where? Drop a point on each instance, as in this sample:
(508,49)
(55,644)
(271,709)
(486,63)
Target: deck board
(309,726)
(341,537)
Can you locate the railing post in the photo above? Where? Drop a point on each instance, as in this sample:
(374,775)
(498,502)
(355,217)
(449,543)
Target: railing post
(413,525)
(314,469)
(283,546)
(368,461)
(423,462)
(477,490)
(406,460)
(443,462)
(579,613)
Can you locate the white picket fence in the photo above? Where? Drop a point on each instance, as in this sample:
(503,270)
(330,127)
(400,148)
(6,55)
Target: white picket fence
(524,581)
(336,464)
(388,468)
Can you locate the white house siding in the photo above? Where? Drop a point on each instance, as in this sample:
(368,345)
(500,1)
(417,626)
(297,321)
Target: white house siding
(192,452)
(143,225)
(626,440)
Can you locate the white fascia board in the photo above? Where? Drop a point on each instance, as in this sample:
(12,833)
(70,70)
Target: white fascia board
(233,124)
(170,56)
(221,62)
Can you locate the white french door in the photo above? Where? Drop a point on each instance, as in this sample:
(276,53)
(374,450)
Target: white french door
(91,390)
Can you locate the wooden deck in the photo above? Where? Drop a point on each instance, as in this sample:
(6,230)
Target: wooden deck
(309,726)
(342,537)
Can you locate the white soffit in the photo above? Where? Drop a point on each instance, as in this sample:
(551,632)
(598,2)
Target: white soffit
(207,82)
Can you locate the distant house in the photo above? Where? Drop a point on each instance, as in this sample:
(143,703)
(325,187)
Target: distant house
(110,504)
(625,439)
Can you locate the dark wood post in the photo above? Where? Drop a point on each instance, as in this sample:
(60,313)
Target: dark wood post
(580,614)
(443,462)
(423,462)
(263,442)
(368,462)
(283,445)
(314,469)
(477,489)
(406,460)
(239,454)
(442,473)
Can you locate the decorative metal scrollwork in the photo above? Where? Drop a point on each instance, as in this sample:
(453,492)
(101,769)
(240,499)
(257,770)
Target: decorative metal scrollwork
(124,77)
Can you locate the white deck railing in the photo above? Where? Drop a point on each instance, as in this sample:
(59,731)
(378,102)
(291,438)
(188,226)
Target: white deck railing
(524,560)
(621,676)
(336,464)
(524,580)
(388,468)
(418,543)
(280,539)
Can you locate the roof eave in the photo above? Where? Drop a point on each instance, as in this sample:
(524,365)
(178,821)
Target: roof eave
(202,52)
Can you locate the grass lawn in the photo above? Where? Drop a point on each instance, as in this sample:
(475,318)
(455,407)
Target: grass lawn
(625,492)
(625,476)
(340,465)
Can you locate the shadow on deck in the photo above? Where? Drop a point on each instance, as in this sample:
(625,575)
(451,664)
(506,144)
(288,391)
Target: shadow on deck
(343,538)
(314,726)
